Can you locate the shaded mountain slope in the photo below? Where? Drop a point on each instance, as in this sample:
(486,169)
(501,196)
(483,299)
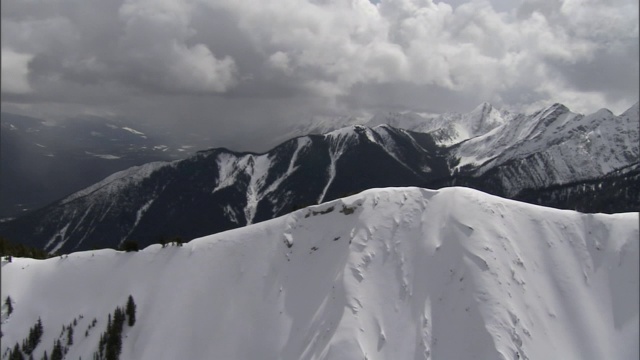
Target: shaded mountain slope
(218,190)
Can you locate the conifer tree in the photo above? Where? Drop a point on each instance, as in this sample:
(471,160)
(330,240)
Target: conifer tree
(101,345)
(110,345)
(35,333)
(39,328)
(16,354)
(45,357)
(70,336)
(56,353)
(131,311)
(129,245)
(9,304)
(114,340)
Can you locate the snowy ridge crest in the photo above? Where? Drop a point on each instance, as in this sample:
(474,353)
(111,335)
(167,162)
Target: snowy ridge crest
(116,181)
(396,273)
(555,146)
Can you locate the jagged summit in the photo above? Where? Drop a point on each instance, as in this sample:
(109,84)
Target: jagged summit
(557,107)
(483,109)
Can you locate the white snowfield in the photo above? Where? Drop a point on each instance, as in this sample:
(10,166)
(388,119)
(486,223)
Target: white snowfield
(397,273)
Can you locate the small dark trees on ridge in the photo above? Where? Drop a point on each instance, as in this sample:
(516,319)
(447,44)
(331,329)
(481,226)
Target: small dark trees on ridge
(131,311)
(9,304)
(129,246)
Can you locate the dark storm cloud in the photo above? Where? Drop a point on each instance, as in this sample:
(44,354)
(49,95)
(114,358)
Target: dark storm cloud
(247,67)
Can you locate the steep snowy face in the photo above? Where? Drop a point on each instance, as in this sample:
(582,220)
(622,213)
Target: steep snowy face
(398,273)
(254,167)
(517,133)
(456,128)
(448,128)
(259,173)
(554,146)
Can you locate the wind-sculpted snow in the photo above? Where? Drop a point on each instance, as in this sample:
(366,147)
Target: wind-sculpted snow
(397,273)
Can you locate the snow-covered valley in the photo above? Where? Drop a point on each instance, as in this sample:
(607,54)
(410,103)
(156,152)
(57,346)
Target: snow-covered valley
(396,273)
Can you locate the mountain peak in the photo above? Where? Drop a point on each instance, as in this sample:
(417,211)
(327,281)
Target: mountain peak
(484,118)
(483,107)
(558,107)
(604,112)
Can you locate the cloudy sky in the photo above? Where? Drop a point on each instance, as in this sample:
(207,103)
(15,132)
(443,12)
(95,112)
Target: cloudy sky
(237,68)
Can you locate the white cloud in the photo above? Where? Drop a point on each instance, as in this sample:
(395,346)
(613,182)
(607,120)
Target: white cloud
(281,61)
(155,43)
(418,54)
(333,45)
(15,72)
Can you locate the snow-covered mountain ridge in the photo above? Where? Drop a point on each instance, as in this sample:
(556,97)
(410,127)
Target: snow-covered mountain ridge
(215,190)
(399,273)
(555,146)
(549,147)
(448,128)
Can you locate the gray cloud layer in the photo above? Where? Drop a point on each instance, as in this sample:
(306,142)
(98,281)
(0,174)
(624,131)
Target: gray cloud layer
(248,65)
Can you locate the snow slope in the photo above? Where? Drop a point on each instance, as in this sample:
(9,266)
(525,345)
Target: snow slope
(397,273)
(448,128)
(554,146)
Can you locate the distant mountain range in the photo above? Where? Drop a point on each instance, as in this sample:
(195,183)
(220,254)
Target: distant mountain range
(553,157)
